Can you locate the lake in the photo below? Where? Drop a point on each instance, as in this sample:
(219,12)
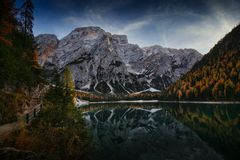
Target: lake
(164,131)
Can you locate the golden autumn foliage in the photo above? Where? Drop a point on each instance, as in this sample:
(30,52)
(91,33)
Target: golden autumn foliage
(215,81)
(35,64)
(215,77)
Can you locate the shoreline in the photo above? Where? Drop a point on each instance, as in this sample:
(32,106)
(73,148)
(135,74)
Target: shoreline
(159,101)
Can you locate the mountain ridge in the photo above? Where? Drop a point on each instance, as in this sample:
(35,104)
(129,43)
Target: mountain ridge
(106,63)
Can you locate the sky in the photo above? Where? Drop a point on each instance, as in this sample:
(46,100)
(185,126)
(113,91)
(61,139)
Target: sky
(197,24)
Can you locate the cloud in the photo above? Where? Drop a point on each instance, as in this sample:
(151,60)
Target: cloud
(205,33)
(133,26)
(176,28)
(178,25)
(90,20)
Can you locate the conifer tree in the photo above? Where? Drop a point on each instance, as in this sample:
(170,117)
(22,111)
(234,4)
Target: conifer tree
(27,17)
(6,21)
(67,79)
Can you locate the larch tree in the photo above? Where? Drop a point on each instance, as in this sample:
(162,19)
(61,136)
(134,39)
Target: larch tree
(67,79)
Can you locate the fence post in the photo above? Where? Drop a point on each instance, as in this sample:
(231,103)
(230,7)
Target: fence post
(34,112)
(27,118)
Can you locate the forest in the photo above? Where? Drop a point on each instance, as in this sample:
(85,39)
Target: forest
(215,77)
(19,72)
(59,132)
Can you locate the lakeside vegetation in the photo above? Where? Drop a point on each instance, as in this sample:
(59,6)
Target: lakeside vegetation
(19,73)
(95,97)
(59,131)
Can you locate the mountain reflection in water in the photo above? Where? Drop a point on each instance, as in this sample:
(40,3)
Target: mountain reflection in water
(163,131)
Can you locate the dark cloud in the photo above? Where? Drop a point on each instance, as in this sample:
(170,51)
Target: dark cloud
(172,23)
(119,8)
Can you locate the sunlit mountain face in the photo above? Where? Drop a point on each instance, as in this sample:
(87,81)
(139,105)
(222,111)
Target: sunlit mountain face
(170,23)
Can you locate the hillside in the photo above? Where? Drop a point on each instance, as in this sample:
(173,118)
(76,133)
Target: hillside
(215,77)
(22,134)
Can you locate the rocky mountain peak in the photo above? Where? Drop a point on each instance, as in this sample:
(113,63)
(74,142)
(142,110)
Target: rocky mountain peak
(87,33)
(47,43)
(155,49)
(89,28)
(106,63)
(120,39)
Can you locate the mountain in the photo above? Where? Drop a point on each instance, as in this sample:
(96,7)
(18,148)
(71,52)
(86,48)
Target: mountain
(215,77)
(105,63)
(163,66)
(47,46)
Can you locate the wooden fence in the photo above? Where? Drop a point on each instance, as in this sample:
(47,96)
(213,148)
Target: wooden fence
(29,116)
(36,103)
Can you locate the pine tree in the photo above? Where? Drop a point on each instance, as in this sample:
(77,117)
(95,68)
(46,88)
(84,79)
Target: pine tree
(27,17)
(26,29)
(7,21)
